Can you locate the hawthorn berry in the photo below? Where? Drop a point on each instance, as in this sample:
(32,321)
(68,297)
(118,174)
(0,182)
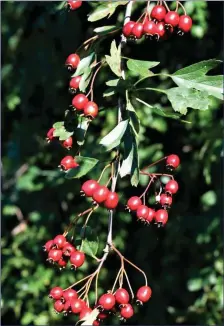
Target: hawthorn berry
(150,216)
(54,255)
(67,143)
(137,30)
(172,18)
(107,301)
(158,12)
(70,294)
(172,161)
(68,162)
(91,109)
(112,200)
(74,84)
(122,296)
(56,293)
(89,187)
(100,194)
(77,258)
(149,28)
(161,217)
(48,245)
(185,23)
(96,323)
(59,241)
(79,102)
(144,293)
(74,4)
(85,312)
(160,29)
(67,307)
(165,200)
(127,29)
(171,187)
(77,305)
(50,134)
(102,316)
(58,306)
(127,311)
(134,203)
(68,249)
(72,61)
(142,212)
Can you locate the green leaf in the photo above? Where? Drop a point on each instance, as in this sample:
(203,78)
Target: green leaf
(62,133)
(112,82)
(105,29)
(195,76)
(134,119)
(195,284)
(58,125)
(83,64)
(109,92)
(114,137)
(90,248)
(105,10)
(81,130)
(140,67)
(183,98)
(85,165)
(130,163)
(85,79)
(114,60)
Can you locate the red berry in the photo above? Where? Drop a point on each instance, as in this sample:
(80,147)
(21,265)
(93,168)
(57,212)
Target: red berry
(165,200)
(74,4)
(56,293)
(127,311)
(100,194)
(185,23)
(77,258)
(122,296)
(67,307)
(68,162)
(158,12)
(54,255)
(107,301)
(58,306)
(70,294)
(59,241)
(160,29)
(79,101)
(96,323)
(85,312)
(149,28)
(151,215)
(142,212)
(68,249)
(137,30)
(77,305)
(48,245)
(134,203)
(102,315)
(144,293)
(112,200)
(172,18)
(50,134)
(127,29)
(72,61)
(89,187)
(91,109)
(161,217)
(74,83)
(62,263)
(173,161)
(67,143)
(172,187)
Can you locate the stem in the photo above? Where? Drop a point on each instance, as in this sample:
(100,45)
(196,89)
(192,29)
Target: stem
(160,160)
(92,82)
(149,184)
(104,169)
(151,89)
(179,3)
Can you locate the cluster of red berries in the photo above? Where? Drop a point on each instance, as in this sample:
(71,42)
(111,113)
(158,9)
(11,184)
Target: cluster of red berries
(149,215)
(100,194)
(158,25)
(74,4)
(60,251)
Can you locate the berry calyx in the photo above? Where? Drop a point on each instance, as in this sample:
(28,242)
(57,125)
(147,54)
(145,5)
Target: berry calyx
(48,245)
(158,12)
(56,293)
(89,187)
(149,28)
(144,293)
(127,311)
(112,200)
(185,23)
(150,216)
(79,102)
(68,162)
(127,29)
(172,18)
(165,200)
(137,30)
(74,4)
(54,255)
(91,110)
(74,84)
(161,217)
(67,143)
(171,187)
(134,203)
(72,61)
(142,212)
(122,296)
(68,249)
(107,301)
(77,258)
(58,306)
(77,305)
(50,134)
(69,294)
(172,161)
(59,241)
(85,312)
(100,194)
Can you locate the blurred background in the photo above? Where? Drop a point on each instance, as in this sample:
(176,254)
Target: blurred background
(183,261)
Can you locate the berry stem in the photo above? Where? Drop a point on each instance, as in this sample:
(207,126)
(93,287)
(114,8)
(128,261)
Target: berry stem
(154,163)
(92,82)
(180,4)
(149,184)
(165,4)
(115,282)
(102,173)
(129,284)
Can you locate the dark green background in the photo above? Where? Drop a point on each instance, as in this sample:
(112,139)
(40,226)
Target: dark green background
(183,262)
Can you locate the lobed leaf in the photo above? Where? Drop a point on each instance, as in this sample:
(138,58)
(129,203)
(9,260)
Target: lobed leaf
(90,248)
(114,60)
(140,67)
